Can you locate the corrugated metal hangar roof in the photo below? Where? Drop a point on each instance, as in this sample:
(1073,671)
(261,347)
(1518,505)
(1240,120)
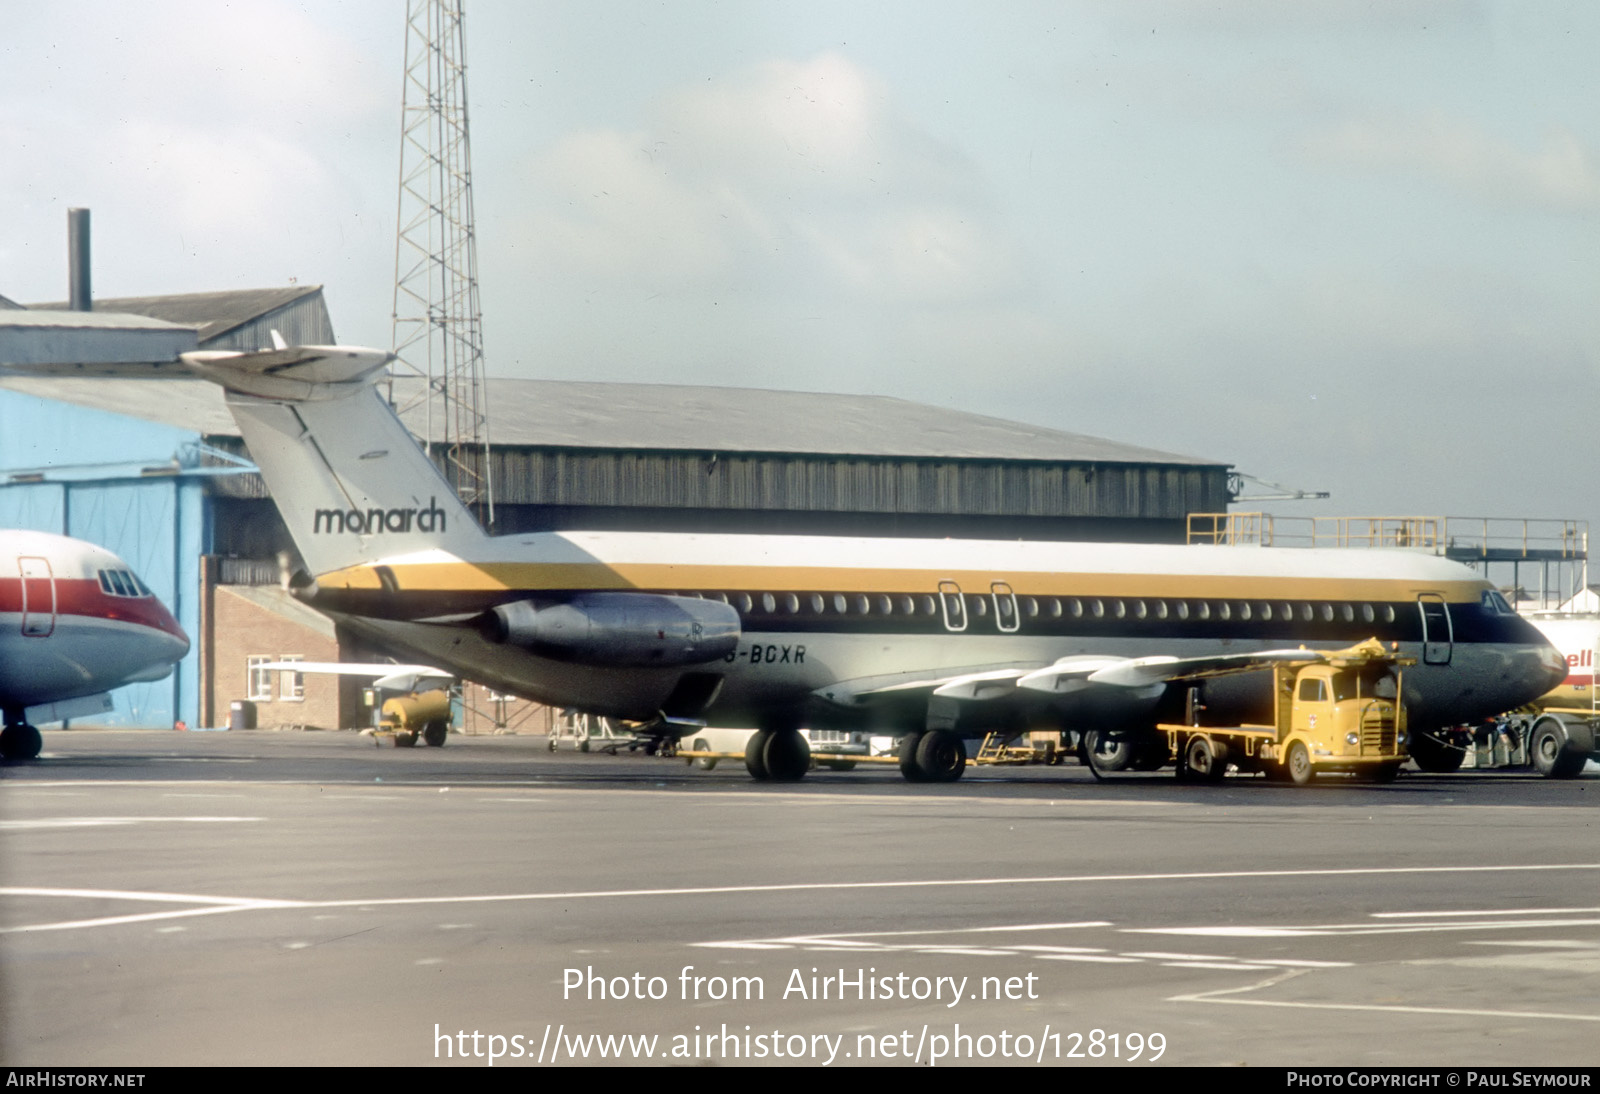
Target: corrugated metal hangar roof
(211,314)
(666,417)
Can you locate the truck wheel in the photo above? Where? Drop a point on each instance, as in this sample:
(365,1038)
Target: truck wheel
(405,739)
(1207,760)
(1549,750)
(434,734)
(1385,773)
(1299,763)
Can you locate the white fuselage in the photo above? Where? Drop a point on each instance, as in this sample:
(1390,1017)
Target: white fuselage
(74,622)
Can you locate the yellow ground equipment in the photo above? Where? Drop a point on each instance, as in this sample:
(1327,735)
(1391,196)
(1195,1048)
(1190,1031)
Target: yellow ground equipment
(1341,713)
(407,717)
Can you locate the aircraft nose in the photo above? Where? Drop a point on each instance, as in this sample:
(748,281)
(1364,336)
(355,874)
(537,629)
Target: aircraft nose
(1553,664)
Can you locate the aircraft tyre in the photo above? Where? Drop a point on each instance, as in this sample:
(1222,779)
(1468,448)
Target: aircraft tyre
(20,742)
(1100,751)
(1549,749)
(435,733)
(1207,760)
(787,756)
(940,756)
(1299,763)
(840,765)
(755,754)
(908,758)
(1433,755)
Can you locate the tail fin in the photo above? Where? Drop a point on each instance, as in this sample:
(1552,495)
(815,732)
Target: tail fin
(352,485)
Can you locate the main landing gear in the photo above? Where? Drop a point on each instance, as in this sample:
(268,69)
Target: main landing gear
(936,756)
(779,755)
(19,740)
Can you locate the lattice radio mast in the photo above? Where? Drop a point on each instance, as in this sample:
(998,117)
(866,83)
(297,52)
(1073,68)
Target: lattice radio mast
(437,380)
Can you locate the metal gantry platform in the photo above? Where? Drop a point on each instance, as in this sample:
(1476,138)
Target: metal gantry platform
(1506,549)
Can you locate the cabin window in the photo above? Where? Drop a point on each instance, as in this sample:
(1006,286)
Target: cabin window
(1097,608)
(1075,606)
(817,603)
(1031,606)
(1348,611)
(929,605)
(1367,614)
(1265,611)
(1183,609)
(1313,691)
(791,603)
(1222,610)
(1244,609)
(1202,609)
(908,606)
(1161,609)
(1388,613)
(980,606)
(839,604)
(1139,609)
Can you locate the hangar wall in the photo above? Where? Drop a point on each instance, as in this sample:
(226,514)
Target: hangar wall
(83,474)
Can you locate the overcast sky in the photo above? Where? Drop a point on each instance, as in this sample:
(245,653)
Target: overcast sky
(1342,244)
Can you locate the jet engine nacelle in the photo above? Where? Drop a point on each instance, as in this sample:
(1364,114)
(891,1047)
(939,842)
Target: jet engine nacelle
(623,629)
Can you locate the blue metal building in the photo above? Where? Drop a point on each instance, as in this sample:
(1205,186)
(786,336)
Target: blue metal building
(133,484)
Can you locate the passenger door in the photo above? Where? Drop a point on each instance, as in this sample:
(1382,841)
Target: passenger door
(1438,637)
(38,597)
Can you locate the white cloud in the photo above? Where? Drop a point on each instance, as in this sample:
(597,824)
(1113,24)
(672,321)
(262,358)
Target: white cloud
(791,177)
(1560,175)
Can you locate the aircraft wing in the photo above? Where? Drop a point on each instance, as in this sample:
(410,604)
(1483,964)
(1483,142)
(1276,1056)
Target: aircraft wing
(976,683)
(384,675)
(1139,677)
(1140,672)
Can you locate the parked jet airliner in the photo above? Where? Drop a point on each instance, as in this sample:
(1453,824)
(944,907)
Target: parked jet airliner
(929,640)
(75,622)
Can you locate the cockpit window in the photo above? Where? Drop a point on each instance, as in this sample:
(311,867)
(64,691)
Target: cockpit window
(122,583)
(1495,604)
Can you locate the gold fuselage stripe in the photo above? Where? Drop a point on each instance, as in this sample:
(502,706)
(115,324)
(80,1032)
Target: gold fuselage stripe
(558,578)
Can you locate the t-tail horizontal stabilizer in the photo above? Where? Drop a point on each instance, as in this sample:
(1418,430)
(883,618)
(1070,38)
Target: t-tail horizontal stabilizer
(352,485)
(299,373)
